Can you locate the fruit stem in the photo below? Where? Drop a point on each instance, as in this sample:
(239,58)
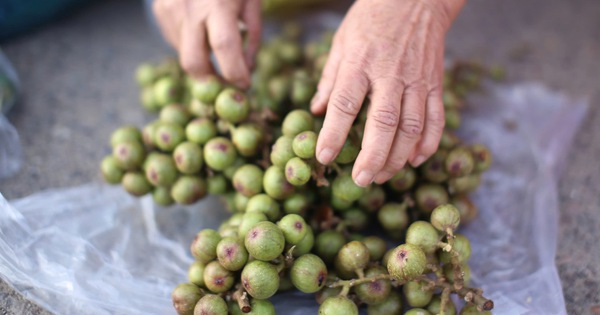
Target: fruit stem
(352,282)
(456,268)
(337,168)
(444,300)
(289,257)
(471,295)
(345,290)
(318,174)
(444,246)
(241,297)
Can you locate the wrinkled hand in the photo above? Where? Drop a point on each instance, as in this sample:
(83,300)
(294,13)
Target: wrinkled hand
(392,51)
(197,27)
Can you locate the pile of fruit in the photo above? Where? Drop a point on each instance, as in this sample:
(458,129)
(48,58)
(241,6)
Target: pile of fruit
(297,224)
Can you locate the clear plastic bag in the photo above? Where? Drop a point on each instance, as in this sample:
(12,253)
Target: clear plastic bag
(95,250)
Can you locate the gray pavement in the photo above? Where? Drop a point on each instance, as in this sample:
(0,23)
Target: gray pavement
(78,76)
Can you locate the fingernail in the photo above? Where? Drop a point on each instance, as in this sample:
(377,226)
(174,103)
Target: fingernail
(325,156)
(364,179)
(418,160)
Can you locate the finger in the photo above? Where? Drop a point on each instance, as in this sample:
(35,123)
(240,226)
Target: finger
(251,16)
(380,129)
(408,134)
(432,132)
(349,91)
(194,54)
(319,102)
(226,42)
(167,25)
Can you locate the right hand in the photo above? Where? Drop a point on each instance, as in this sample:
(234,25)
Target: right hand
(195,28)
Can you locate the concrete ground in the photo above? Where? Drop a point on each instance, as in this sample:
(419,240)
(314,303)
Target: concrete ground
(78,78)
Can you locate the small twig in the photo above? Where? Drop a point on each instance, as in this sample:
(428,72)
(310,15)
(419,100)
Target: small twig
(241,297)
(353,282)
(444,300)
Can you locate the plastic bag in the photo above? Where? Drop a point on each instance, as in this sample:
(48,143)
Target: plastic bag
(95,250)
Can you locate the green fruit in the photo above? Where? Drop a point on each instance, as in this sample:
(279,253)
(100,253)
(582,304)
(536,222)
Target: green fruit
(168,136)
(129,155)
(434,169)
(306,243)
(471,309)
(297,171)
(148,100)
(462,246)
(290,52)
(327,292)
(217,184)
(261,307)
(148,133)
(465,184)
(136,184)
(303,89)
(308,273)
(450,99)
(297,203)
(344,187)
(338,305)
(230,171)
(125,134)
(249,220)
(279,88)
(403,180)
(161,170)
(188,189)
(232,254)
(260,279)
(145,74)
(196,273)
(175,114)
(417,311)
(262,203)
(377,247)
(449,140)
(200,130)
(185,296)
(374,292)
(162,196)
(424,235)
(353,256)
(232,105)
(247,139)
(435,306)
(349,150)
(467,209)
(166,91)
(200,109)
(304,144)
(297,121)
(282,151)
(416,295)
(452,118)
(340,204)
(407,262)
(429,196)
(373,198)
(275,184)
(240,201)
(355,219)
(248,180)
(482,157)
(393,216)
(111,173)
(218,279)
(459,162)
(207,89)
(268,62)
(294,228)
(445,218)
(391,305)
(328,243)
(219,153)
(450,273)
(204,245)
(265,241)
(211,304)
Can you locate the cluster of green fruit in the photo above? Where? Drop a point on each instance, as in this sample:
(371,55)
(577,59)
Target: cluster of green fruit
(297,223)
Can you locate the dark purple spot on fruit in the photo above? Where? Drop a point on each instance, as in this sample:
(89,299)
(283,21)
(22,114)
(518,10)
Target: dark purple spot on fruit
(455,167)
(436,166)
(123,151)
(178,159)
(245,283)
(239,186)
(402,254)
(221,147)
(290,171)
(254,234)
(298,225)
(219,281)
(376,286)
(238,97)
(229,252)
(321,278)
(302,136)
(153,175)
(165,137)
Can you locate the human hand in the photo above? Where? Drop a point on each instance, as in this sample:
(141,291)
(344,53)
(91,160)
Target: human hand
(197,27)
(392,51)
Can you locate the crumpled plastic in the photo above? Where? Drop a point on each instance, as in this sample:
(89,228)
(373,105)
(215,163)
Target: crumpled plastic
(10,146)
(96,250)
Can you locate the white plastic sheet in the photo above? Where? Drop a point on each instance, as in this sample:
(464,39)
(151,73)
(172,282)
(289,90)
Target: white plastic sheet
(95,250)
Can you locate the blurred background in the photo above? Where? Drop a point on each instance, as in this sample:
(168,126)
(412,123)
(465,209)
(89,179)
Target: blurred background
(76,58)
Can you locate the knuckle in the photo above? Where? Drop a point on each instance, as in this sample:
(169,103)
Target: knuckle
(394,165)
(386,118)
(436,120)
(345,103)
(223,43)
(412,125)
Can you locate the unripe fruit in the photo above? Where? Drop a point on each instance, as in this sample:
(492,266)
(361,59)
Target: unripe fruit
(415,294)
(260,279)
(217,279)
(232,254)
(308,273)
(188,189)
(204,245)
(354,256)
(445,217)
(294,228)
(374,292)
(391,305)
(219,153)
(185,296)
(207,89)
(435,306)
(232,105)
(196,273)
(424,235)
(338,305)
(407,262)
(110,170)
(248,180)
(265,241)
(188,157)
